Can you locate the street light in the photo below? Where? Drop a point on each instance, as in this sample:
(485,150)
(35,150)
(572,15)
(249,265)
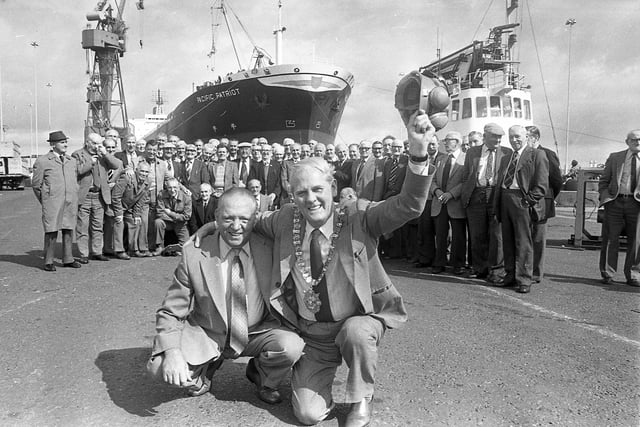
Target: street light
(570,22)
(49,96)
(30,134)
(35,84)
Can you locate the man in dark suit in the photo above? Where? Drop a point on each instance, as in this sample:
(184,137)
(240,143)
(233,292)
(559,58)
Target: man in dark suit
(620,196)
(539,228)
(130,200)
(446,206)
(203,209)
(194,172)
(173,213)
(94,195)
(395,169)
(420,244)
(130,156)
(287,165)
(269,173)
(523,180)
(113,224)
(367,174)
(342,166)
(478,190)
(245,163)
(224,314)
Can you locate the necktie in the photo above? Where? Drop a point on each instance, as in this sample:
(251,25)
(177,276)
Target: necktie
(238,324)
(488,172)
(62,158)
(169,166)
(266,174)
(189,164)
(511,170)
(359,171)
(634,173)
(445,173)
(393,174)
(315,255)
(110,175)
(243,172)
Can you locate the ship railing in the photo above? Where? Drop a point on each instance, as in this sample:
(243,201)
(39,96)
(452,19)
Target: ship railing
(492,80)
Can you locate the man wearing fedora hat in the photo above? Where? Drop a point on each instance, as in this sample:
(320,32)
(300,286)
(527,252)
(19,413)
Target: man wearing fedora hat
(94,195)
(55,185)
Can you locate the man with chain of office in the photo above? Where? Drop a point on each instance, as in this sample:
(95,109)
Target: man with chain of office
(328,282)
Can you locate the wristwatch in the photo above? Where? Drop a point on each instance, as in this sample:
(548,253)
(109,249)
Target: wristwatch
(417,159)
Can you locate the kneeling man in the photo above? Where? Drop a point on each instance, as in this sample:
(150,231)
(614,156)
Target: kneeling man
(218,308)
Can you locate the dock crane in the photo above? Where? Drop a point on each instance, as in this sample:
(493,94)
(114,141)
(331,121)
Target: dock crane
(105,45)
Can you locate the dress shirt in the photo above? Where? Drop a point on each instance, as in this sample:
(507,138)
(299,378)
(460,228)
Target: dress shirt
(255,303)
(132,159)
(482,167)
(625,180)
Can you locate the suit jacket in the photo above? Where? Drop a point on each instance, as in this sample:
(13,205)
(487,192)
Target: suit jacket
(454,186)
(286,167)
(158,176)
(129,198)
(193,316)
(371,183)
(251,171)
(200,215)
(56,187)
(611,179)
(231,175)
(342,174)
(393,188)
(532,175)
(122,156)
(471,167)
(263,204)
(555,182)
(356,248)
(199,174)
(102,166)
(180,212)
(273,182)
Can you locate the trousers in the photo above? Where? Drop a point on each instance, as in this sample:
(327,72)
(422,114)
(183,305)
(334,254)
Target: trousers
(89,233)
(50,246)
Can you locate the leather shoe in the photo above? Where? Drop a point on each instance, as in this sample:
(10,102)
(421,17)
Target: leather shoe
(139,254)
(49,267)
(633,282)
(74,264)
(524,289)
(123,255)
(157,252)
(436,270)
(99,257)
(83,260)
(360,414)
(421,264)
(266,394)
(607,280)
(478,275)
(458,271)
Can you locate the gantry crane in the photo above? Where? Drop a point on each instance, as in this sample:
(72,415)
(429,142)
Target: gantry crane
(105,45)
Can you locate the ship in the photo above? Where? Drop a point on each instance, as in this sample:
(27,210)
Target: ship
(484,81)
(269,99)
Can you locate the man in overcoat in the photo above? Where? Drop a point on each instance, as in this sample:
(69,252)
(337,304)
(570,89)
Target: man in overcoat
(55,185)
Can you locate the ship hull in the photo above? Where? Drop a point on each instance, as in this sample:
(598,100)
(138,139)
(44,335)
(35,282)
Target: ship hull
(296,101)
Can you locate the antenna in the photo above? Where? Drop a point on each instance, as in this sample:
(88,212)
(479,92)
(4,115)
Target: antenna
(158,98)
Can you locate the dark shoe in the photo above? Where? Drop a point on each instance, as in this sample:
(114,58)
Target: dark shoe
(266,394)
(123,255)
(99,257)
(143,254)
(458,271)
(109,254)
(633,282)
(360,414)
(74,264)
(177,253)
(421,264)
(478,275)
(157,252)
(202,384)
(524,289)
(607,280)
(213,367)
(436,270)
(49,267)
(83,260)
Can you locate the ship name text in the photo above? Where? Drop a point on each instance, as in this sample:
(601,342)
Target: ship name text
(218,95)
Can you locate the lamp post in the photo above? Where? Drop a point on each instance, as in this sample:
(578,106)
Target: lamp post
(570,22)
(35,85)
(49,97)
(30,134)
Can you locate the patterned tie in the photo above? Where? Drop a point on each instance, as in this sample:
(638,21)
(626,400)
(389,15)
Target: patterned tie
(634,173)
(243,172)
(488,172)
(238,324)
(110,175)
(446,172)
(315,255)
(511,170)
(393,174)
(189,165)
(266,175)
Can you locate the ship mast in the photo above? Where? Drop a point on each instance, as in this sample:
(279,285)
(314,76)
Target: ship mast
(278,33)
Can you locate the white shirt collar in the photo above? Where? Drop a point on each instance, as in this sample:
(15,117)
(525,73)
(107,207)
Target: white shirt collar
(326,228)
(225,249)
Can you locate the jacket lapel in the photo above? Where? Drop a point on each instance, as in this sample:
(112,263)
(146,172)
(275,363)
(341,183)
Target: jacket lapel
(261,263)
(212,275)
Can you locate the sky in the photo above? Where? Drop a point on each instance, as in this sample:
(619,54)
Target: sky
(378,41)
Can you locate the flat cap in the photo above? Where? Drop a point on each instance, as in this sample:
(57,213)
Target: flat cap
(169,144)
(244,144)
(493,128)
(454,135)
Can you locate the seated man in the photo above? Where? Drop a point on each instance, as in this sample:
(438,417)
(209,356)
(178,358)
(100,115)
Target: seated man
(173,213)
(194,337)
(204,208)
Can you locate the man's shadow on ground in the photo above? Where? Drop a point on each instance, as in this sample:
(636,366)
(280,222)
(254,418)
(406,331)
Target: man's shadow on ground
(31,258)
(130,388)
